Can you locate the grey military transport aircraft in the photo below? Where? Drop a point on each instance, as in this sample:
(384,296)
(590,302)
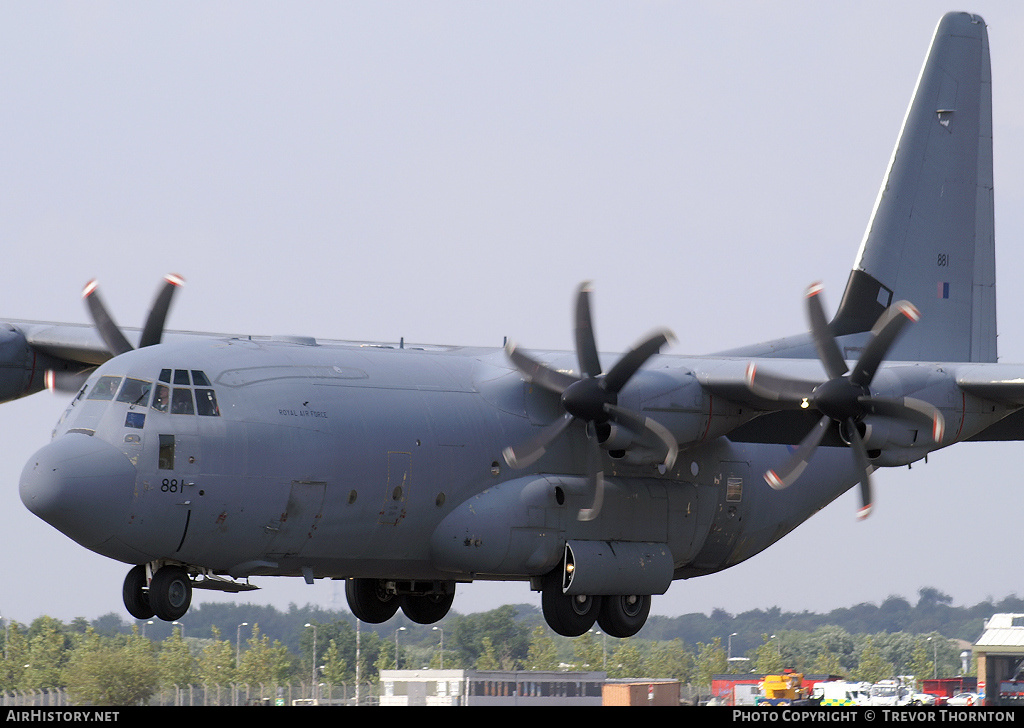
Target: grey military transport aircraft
(205,460)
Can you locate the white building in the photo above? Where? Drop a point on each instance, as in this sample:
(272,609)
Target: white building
(489,687)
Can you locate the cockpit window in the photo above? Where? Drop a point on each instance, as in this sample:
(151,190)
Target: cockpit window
(105,388)
(206,402)
(181,403)
(178,399)
(135,391)
(162,398)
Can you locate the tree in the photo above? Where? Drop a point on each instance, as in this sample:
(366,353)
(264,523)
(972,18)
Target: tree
(47,654)
(543,652)
(488,659)
(921,665)
(385,656)
(626,660)
(588,654)
(768,656)
(335,669)
(217,662)
(263,663)
(12,669)
(177,666)
(510,639)
(872,666)
(711,660)
(670,660)
(103,673)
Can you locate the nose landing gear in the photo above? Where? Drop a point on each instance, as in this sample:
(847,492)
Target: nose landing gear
(166,594)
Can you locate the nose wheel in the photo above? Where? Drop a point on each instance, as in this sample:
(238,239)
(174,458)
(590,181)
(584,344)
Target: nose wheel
(168,595)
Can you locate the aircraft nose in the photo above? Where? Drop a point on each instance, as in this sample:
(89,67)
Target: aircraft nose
(80,485)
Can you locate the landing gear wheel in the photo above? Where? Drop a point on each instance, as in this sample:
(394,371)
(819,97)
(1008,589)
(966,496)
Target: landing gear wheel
(567,615)
(369,601)
(624,615)
(136,600)
(170,593)
(426,608)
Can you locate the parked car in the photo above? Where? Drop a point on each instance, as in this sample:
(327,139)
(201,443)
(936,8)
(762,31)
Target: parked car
(963,699)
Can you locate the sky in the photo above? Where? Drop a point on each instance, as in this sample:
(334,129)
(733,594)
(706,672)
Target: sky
(448,172)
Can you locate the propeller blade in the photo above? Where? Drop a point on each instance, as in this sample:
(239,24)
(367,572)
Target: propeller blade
(777,388)
(824,342)
(908,408)
(884,333)
(586,343)
(632,360)
(861,456)
(785,476)
(529,452)
(109,331)
(153,331)
(596,475)
(540,374)
(66,382)
(637,422)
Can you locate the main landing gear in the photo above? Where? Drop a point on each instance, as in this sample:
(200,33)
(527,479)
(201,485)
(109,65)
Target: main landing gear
(571,615)
(378,600)
(168,594)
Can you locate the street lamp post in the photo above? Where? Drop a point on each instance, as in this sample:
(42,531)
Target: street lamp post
(435,629)
(238,643)
(400,629)
(312,687)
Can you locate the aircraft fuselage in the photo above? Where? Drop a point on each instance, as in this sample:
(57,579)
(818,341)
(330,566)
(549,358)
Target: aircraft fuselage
(296,458)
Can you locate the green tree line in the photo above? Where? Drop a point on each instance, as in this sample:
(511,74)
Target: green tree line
(108,661)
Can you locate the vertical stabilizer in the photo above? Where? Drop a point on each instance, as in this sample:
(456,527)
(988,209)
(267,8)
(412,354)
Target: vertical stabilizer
(930,239)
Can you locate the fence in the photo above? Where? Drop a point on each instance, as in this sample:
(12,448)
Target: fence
(301,694)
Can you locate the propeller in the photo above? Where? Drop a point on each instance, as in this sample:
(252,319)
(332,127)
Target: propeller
(111,333)
(153,330)
(845,398)
(591,399)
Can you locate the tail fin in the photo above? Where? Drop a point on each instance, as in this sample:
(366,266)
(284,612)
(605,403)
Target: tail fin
(930,239)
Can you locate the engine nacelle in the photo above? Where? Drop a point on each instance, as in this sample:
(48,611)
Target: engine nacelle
(16,365)
(891,442)
(616,567)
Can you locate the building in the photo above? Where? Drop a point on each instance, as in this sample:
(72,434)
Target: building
(1000,653)
(490,687)
(641,692)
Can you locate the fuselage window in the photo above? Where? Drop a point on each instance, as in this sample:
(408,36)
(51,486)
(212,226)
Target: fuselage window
(206,402)
(162,398)
(181,402)
(166,460)
(135,391)
(105,388)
